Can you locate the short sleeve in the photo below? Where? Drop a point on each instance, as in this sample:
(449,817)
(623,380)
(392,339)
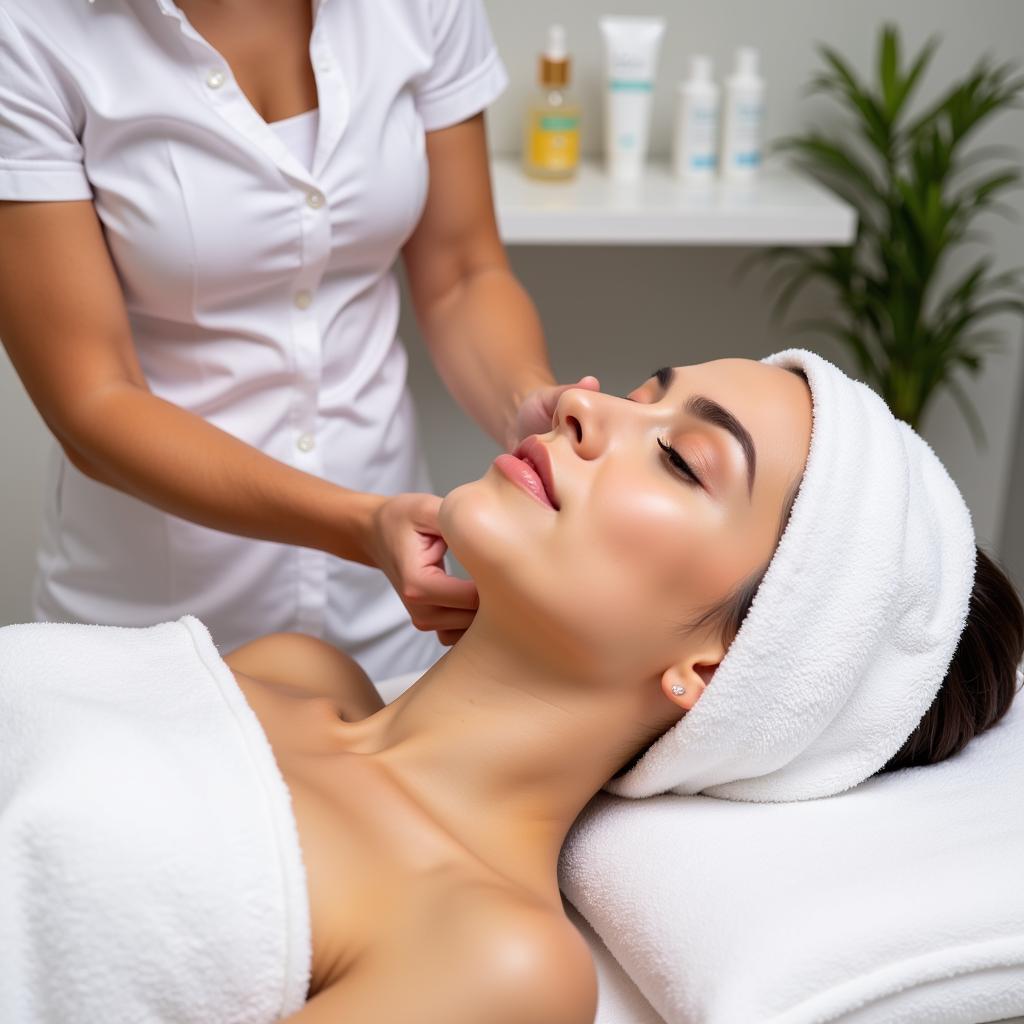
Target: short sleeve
(467,73)
(40,155)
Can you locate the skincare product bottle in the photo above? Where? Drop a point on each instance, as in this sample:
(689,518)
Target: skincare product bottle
(695,133)
(631,48)
(744,117)
(552,140)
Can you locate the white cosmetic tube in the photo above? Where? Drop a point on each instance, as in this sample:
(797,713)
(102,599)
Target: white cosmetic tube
(631,45)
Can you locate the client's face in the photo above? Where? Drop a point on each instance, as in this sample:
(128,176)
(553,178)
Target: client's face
(632,515)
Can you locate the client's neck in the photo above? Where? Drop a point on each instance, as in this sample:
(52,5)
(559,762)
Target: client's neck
(503,750)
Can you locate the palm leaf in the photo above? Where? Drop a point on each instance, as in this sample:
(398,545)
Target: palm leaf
(970,414)
(918,187)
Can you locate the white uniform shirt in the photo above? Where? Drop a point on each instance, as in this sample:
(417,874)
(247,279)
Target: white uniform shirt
(260,292)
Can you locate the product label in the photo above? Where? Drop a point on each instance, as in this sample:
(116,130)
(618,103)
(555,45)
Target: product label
(702,128)
(558,123)
(749,116)
(555,142)
(630,85)
(695,142)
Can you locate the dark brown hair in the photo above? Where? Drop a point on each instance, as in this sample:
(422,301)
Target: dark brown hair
(979,685)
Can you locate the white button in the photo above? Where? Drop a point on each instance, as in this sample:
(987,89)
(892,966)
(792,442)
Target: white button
(303,299)
(215,79)
(305,443)
(315,200)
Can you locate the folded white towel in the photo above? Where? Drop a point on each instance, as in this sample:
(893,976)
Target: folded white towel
(896,902)
(619,1001)
(854,625)
(150,868)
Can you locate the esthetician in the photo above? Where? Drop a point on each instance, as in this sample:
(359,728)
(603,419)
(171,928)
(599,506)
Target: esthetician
(206,319)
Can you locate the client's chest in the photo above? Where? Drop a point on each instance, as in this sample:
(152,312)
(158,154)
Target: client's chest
(379,872)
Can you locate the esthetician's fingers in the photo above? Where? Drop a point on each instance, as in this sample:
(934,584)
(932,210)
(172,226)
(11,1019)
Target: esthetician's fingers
(438,601)
(437,618)
(445,589)
(538,408)
(409,549)
(449,636)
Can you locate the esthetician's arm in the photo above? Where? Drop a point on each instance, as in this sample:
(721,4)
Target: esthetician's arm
(480,326)
(66,330)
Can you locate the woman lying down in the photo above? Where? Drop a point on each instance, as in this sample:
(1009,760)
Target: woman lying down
(744,579)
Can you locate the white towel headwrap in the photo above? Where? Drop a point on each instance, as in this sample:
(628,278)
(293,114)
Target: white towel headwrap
(853,628)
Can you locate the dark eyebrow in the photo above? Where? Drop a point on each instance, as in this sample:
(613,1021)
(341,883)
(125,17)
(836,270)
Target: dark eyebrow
(710,411)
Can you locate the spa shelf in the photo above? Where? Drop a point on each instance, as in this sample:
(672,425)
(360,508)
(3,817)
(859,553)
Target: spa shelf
(783,207)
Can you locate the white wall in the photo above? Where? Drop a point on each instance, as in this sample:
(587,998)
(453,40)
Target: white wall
(621,312)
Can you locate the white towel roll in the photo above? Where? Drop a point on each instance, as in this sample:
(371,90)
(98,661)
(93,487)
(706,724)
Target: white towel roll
(150,866)
(853,628)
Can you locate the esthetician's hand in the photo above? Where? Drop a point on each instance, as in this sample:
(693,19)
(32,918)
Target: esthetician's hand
(407,546)
(537,409)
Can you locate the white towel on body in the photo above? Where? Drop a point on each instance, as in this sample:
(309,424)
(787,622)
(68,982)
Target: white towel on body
(853,627)
(150,868)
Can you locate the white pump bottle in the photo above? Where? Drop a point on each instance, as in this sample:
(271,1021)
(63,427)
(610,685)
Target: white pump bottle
(744,118)
(695,138)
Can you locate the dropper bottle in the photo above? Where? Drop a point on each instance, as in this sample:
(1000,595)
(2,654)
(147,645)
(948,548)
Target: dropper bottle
(551,144)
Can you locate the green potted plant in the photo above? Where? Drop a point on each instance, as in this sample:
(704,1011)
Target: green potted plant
(917,188)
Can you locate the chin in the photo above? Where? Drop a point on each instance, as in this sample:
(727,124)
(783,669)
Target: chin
(483,532)
(526,577)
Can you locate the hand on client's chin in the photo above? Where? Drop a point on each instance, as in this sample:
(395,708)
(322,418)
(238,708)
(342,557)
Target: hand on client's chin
(408,547)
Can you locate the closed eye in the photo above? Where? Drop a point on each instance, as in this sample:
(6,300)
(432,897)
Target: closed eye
(679,462)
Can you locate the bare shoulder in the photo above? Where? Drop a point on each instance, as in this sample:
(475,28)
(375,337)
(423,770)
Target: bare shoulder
(535,958)
(522,960)
(491,958)
(308,666)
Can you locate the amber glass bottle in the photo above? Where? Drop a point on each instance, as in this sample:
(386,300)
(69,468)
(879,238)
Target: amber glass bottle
(551,146)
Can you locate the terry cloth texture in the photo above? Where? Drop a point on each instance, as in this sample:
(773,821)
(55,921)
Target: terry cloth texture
(150,867)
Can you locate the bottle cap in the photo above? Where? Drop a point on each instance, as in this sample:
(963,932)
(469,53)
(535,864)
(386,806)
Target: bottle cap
(556,43)
(746,61)
(700,68)
(554,61)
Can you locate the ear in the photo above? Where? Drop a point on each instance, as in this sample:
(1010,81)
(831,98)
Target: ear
(693,674)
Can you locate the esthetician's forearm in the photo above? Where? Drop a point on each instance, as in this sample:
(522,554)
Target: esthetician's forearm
(157,452)
(487,343)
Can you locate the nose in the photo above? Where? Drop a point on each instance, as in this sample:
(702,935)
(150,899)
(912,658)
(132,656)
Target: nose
(580,415)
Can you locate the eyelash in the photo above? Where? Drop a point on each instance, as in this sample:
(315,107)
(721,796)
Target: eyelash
(678,461)
(662,376)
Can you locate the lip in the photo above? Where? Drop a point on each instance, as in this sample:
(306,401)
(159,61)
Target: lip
(535,453)
(524,476)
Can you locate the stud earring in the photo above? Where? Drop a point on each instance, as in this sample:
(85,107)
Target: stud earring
(678,690)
